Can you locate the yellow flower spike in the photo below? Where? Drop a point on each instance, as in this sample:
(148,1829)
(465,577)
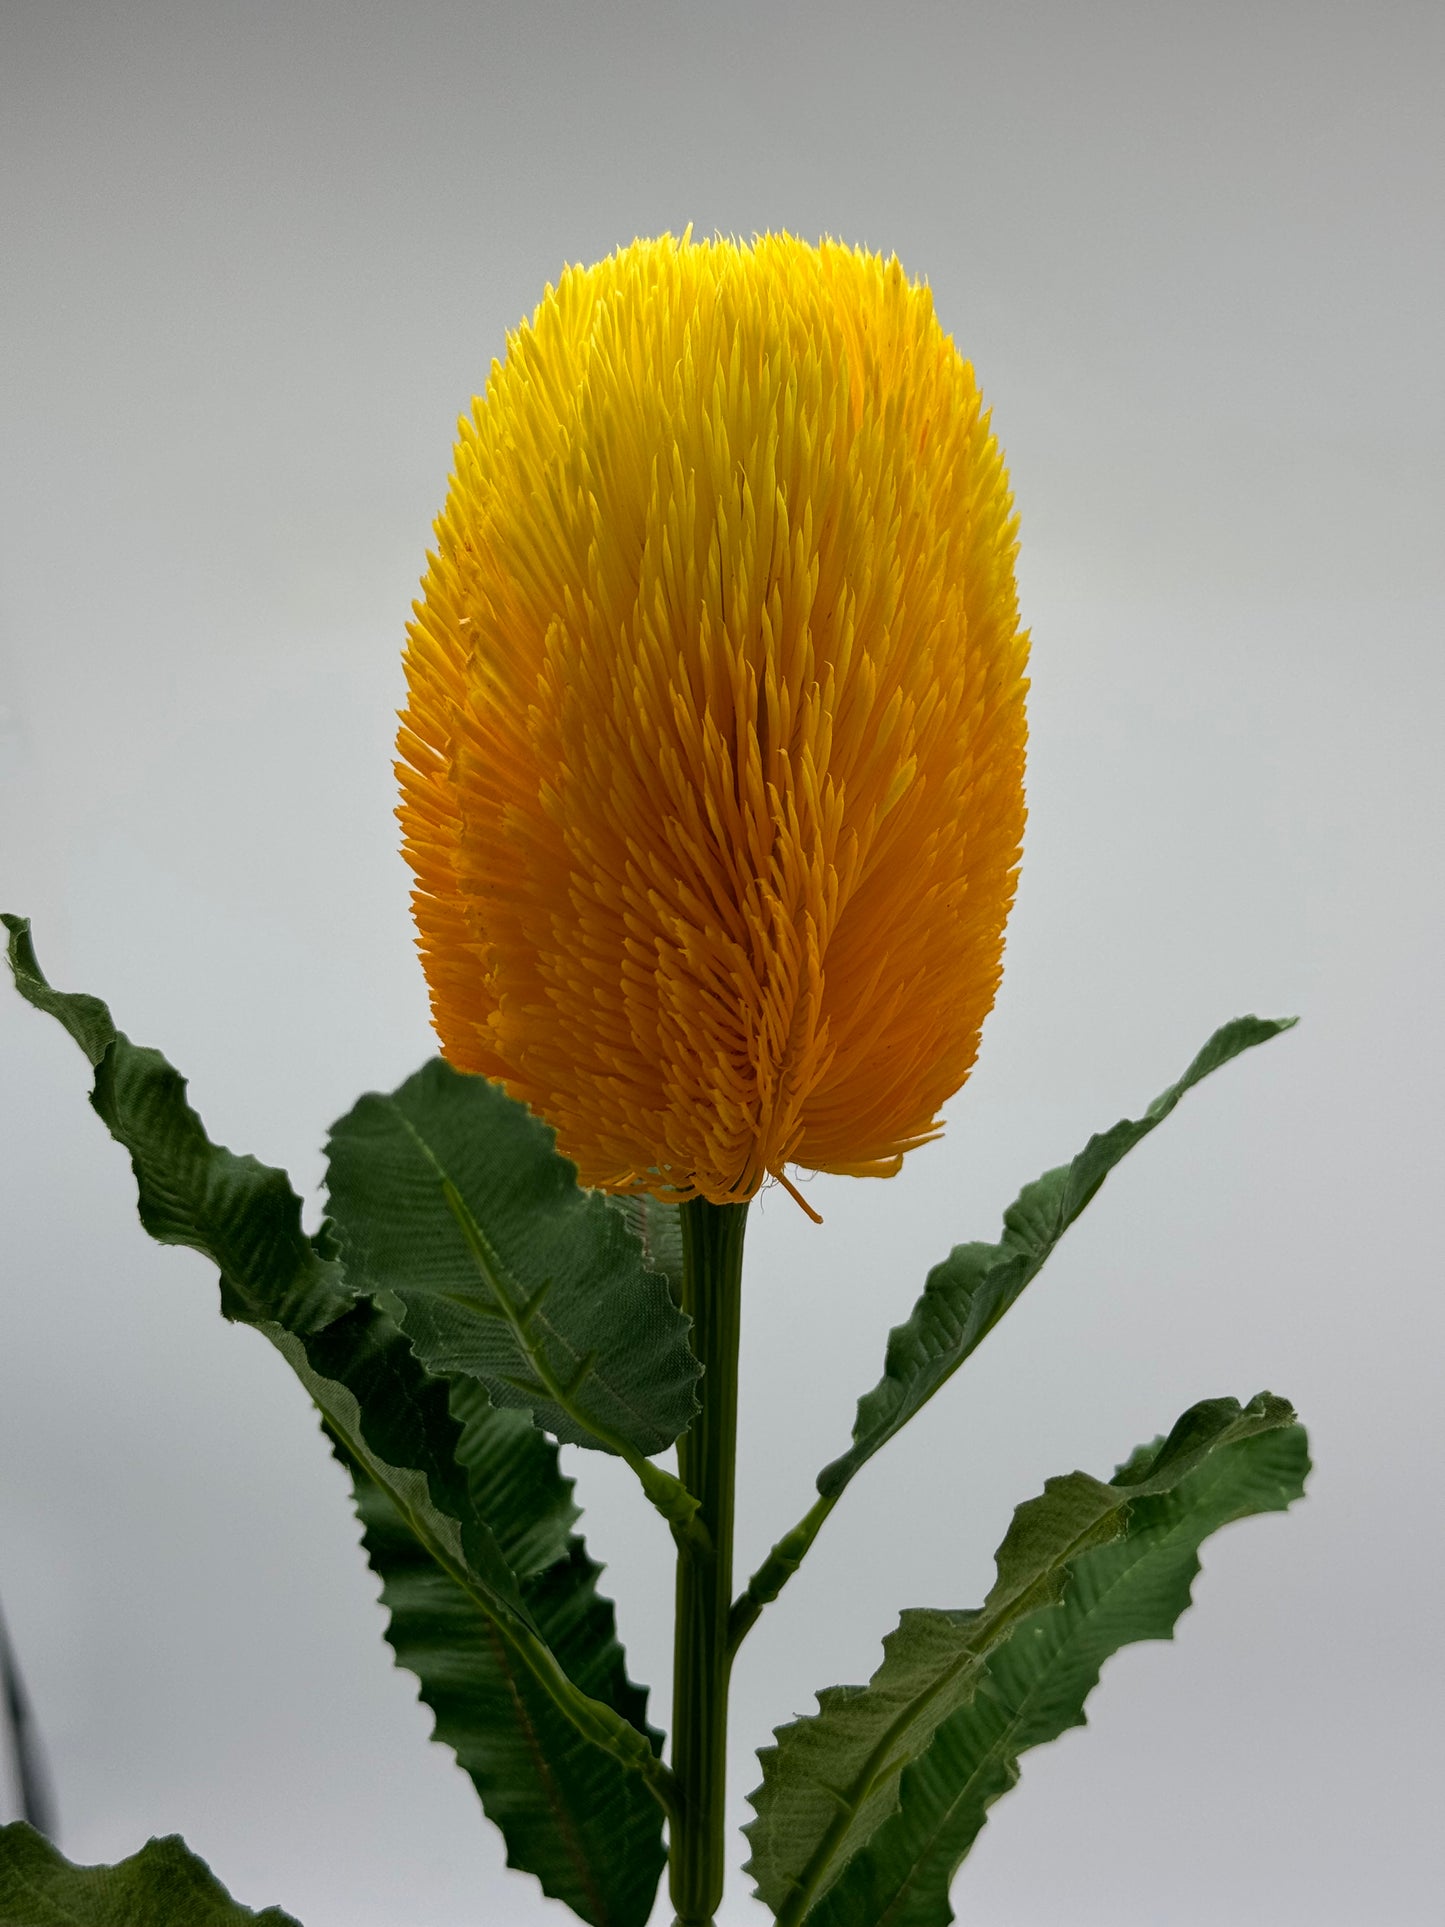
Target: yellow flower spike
(712,761)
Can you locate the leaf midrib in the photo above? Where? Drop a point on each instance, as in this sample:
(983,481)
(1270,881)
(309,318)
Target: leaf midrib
(875,1765)
(504,1286)
(546,1773)
(1145,1548)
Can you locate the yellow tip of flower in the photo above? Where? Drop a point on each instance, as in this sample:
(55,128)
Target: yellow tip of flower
(712,761)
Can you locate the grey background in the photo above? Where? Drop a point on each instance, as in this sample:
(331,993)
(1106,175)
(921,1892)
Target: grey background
(255,261)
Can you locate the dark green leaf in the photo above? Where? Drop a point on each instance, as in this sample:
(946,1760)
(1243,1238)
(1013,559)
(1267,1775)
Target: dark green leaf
(966,1295)
(164,1885)
(833,1779)
(1034,1685)
(570,1814)
(657,1227)
(452,1205)
(245,1217)
(391,1417)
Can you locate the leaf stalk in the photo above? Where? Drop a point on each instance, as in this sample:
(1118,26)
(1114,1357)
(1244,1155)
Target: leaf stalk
(775,1571)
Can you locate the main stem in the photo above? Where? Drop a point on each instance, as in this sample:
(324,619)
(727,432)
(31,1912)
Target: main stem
(712,1250)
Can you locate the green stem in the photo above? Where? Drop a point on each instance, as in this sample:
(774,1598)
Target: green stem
(712,1247)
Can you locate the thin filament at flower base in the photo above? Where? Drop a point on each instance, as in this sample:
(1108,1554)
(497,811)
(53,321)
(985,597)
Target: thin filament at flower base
(796,1195)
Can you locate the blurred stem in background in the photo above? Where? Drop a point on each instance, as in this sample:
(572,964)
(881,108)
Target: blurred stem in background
(32,1782)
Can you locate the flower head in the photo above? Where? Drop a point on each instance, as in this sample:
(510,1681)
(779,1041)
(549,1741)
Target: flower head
(712,762)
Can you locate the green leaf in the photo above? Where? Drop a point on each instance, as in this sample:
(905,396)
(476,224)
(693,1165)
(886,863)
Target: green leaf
(392,1418)
(833,1779)
(586,1827)
(1034,1685)
(966,1296)
(164,1885)
(657,1227)
(452,1206)
(245,1217)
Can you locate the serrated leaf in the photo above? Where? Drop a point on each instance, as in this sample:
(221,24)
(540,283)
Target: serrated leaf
(241,1214)
(966,1296)
(164,1885)
(570,1814)
(1034,1684)
(833,1778)
(393,1420)
(390,1415)
(451,1204)
(245,1217)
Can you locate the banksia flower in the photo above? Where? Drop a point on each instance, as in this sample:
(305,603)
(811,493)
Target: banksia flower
(712,761)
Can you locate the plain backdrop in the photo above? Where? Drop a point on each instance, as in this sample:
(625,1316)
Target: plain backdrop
(255,260)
